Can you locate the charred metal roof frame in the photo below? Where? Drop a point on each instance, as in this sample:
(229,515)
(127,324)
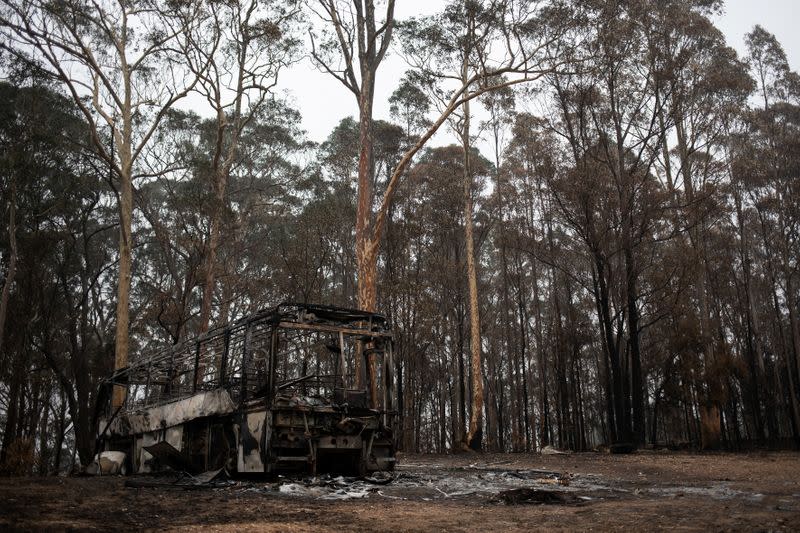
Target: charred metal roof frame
(172,370)
(287,314)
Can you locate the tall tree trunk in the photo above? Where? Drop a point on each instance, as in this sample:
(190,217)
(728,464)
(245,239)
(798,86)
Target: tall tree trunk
(604,341)
(621,421)
(698,260)
(368,42)
(506,347)
(790,366)
(523,342)
(12,413)
(637,385)
(125,261)
(12,263)
(544,404)
(475,433)
(461,419)
(755,360)
(209,282)
(366,256)
(123,139)
(221,173)
(44,433)
(366,247)
(62,429)
(631,296)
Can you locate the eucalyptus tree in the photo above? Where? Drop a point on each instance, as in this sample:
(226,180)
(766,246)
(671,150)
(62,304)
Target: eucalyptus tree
(350,46)
(771,184)
(59,341)
(455,55)
(607,113)
(352,36)
(410,107)
(237,53)
(705,87)
(171,242)
(118,61)
(452,44)
(525,191)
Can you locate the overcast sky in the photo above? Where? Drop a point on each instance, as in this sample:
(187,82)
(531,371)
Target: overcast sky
(323,102)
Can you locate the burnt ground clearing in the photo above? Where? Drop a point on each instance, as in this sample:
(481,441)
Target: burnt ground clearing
(646,490)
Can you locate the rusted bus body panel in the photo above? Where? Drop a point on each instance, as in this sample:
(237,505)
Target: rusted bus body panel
(295,434)
(270,393)
(204,404)
(254,439)
(165,423)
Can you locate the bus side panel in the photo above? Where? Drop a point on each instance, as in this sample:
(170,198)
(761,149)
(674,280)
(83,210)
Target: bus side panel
(253,435)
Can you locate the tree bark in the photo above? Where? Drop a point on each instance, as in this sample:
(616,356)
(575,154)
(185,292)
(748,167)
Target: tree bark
(475,433)
(12,263)
(125,255)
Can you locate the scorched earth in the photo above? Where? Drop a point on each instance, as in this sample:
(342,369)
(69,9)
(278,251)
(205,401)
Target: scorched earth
(470,492)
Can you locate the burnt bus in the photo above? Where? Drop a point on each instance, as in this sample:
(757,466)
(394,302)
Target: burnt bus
(293,388)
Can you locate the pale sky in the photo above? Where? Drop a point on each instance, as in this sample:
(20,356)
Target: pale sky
(323,101)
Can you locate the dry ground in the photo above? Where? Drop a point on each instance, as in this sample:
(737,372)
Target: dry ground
(647,491)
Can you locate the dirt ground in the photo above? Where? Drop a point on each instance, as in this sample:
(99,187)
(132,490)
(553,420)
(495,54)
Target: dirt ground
(645,490)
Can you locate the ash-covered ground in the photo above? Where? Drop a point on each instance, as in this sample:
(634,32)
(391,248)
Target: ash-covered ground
(426,479)
(470,492)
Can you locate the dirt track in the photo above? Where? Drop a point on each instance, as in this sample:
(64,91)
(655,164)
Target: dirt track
(646,491)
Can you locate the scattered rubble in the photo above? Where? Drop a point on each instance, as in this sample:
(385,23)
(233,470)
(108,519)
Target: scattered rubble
(489,482)
(550,450)
(493,492)
(409,482)
(526,495)
(107,463)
